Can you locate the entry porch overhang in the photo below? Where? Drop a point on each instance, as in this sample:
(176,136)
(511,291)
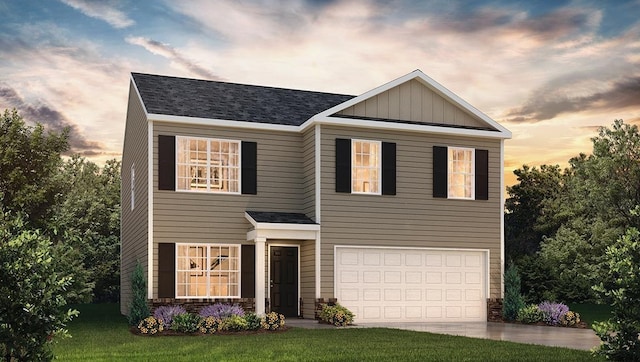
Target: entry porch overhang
(280,226)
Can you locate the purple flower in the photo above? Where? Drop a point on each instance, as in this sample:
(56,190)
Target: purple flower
(167,312)
(552,312)
(221,311)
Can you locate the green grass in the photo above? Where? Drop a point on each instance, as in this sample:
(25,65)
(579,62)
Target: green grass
(101,334)
(591,312)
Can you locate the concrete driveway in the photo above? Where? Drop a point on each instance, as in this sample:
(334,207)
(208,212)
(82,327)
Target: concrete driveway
(574,338)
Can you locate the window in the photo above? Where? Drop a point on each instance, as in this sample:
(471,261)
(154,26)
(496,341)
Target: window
(207,271)
(365,167)
(209,165)
(133,188)
(461,173)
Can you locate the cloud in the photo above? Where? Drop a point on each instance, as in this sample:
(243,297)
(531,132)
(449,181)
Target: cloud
(548,103)
(173,55)
(102,10)
(51,119)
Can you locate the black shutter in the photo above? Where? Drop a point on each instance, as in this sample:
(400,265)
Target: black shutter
(249,168)
(388,168)
(343,165)
(166,162)
(166,270)
(440,171)
(482,175)
(248,272)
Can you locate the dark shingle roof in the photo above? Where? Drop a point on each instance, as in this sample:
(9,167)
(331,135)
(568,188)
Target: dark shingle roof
(274,217)
(230,101)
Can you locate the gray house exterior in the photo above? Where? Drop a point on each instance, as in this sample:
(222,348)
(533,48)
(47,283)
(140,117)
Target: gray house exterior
(390,201)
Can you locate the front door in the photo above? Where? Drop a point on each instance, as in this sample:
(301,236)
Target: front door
(284,280)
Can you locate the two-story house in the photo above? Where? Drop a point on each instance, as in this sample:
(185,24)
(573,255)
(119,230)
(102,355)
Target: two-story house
(390,201)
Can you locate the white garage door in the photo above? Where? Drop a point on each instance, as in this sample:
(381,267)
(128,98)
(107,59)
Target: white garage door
(404,285)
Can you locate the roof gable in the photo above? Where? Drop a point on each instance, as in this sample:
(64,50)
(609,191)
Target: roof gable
(415,99)
(194,98)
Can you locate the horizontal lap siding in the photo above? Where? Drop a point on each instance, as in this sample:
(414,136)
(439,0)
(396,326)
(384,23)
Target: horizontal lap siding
(309,172)
(219,218)
(412,218)
(134,226)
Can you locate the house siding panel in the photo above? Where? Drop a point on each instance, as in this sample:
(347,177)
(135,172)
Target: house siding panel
(412,218)
(413,101)
(219,218)
(309,173)
(134,223)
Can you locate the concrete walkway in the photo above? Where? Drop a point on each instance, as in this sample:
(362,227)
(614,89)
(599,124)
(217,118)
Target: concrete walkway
(575,338)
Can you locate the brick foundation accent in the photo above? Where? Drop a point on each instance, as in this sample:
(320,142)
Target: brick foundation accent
(320,302)
(194,305)
(494,310)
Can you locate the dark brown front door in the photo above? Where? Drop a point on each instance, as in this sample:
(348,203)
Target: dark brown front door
(284,280)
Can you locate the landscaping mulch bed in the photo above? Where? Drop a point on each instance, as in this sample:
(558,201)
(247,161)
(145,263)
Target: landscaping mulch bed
(170,332)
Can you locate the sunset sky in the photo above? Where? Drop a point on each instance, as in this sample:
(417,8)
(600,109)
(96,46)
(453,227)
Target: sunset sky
(550,71)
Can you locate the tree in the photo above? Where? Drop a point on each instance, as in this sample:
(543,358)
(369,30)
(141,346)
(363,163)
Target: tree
(620,287)
(33,290)
(90,212)
(138,310)
(513,300)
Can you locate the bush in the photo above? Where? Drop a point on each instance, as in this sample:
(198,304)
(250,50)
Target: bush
(166,313)
(221,310)
(253,321)
(186,323)
(272,321)
(513,300)
(151,325)
(233,323)
(209,325)
(336,315)
(138,309)
(529,314)
(570,319)
(552,312)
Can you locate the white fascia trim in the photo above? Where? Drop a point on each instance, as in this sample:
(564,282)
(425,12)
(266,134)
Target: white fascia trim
(501,210)
(222,123)
(351,122)
(135,86)
(149,208)
(427,81)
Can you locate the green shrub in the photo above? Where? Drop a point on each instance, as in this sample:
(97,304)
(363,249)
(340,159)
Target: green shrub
(209,325)
(513,300)
(138,309)
(253,321)
(233,323)
(272,321)
(151,325)
(336,315)
(529,314)
(185,323)
(570,319)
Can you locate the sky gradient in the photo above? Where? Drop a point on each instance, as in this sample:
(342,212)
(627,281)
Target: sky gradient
(550,71)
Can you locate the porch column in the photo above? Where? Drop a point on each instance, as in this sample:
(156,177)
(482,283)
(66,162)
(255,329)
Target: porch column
(260,275)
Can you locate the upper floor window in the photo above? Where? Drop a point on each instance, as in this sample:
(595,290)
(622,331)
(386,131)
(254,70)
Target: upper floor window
(366,166)
(461,173)
(207,270)
(211,165)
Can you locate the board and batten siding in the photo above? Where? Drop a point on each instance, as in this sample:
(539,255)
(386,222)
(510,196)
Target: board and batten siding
(195,217)
(413,101)
(412,217)
(134,223)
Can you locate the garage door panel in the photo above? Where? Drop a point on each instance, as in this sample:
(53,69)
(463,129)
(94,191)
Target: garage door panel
(380,284)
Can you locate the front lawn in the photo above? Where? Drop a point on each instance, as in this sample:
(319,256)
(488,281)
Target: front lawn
(101,334)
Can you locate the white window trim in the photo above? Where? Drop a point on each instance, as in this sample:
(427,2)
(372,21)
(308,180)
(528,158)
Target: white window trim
(379,180)
(473,173)
(209,139)
(208,245)
(133,186)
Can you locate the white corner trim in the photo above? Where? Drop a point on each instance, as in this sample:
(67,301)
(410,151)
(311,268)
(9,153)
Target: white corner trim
(318,206)
(222,123)
(149,209)
(502,202)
